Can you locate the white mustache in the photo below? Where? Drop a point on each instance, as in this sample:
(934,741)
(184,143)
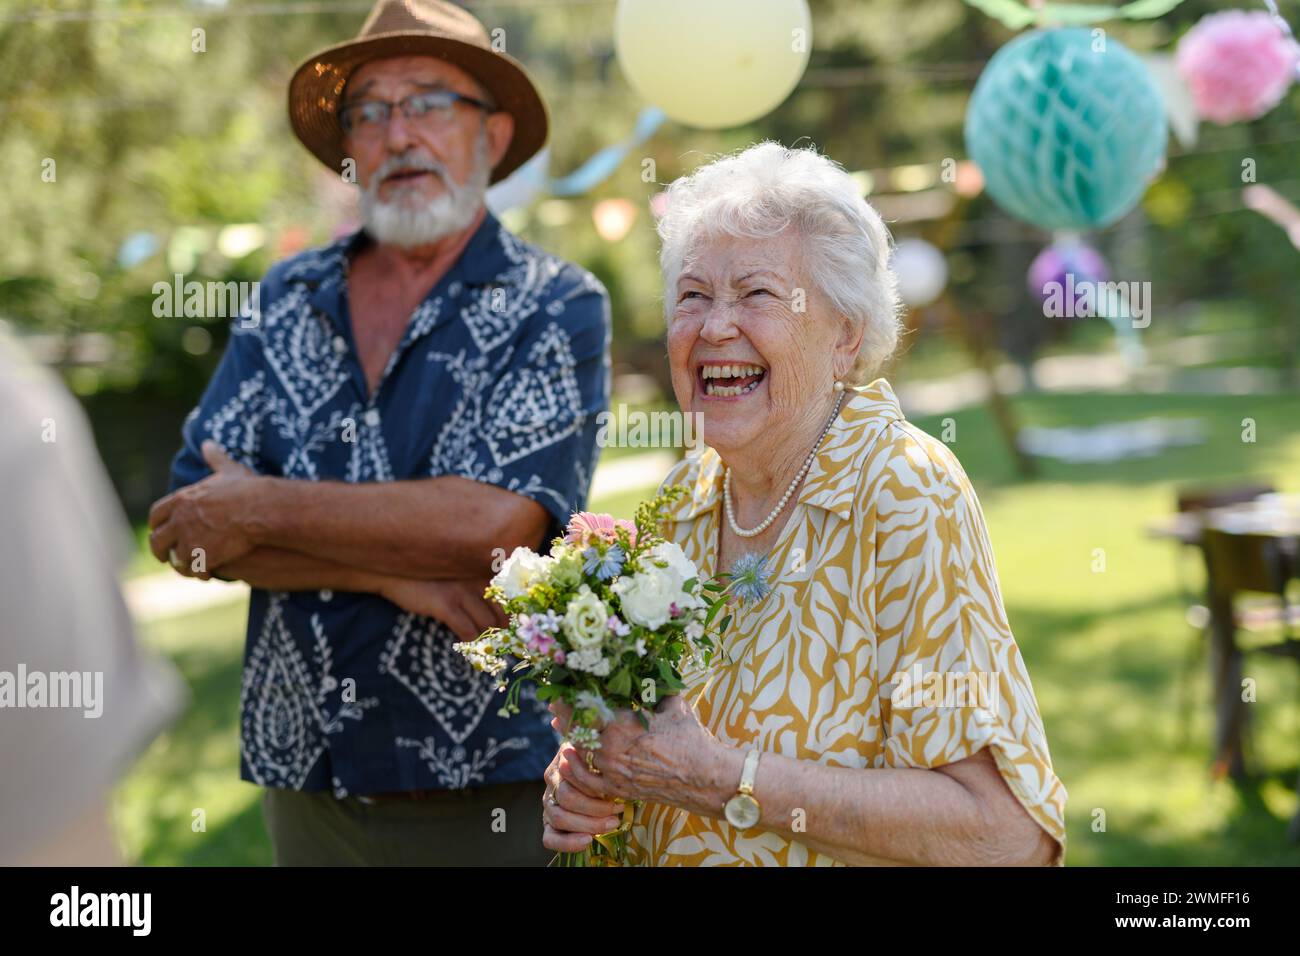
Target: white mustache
(408,164)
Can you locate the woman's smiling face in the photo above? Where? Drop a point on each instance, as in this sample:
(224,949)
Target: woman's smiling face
(751,344)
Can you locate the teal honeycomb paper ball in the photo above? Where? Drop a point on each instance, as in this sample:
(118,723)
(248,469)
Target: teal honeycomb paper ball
(1067,127)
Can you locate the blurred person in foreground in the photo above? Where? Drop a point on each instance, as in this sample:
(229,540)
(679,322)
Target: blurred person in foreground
(78,700)
(870,705)
(402,410)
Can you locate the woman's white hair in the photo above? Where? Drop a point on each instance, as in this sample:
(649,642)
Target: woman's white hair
(760,192)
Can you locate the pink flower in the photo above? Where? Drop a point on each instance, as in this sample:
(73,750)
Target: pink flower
(534,637)
(541,643)
(1237,64)
(586,528)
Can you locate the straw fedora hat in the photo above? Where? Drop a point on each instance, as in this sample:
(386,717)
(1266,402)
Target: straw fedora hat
(415,28)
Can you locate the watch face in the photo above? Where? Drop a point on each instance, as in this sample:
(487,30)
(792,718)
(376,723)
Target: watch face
(742,811)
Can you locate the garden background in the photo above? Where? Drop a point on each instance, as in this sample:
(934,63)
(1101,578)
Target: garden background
(171,160)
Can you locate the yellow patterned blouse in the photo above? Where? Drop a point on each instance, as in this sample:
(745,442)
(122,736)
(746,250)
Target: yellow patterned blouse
(882,643)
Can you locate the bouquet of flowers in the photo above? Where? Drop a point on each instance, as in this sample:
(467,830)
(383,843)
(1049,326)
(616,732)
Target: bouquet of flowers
(605,621)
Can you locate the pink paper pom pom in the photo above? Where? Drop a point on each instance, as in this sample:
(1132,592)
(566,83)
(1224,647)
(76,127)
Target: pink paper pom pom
(1237,65)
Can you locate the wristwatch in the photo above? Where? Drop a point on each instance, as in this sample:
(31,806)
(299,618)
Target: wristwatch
(742,811)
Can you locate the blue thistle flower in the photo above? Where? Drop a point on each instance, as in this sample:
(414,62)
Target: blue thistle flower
(604,566)
(749,578)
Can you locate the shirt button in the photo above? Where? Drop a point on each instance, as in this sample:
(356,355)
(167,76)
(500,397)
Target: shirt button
(340,344)
(372,417)
(326,594)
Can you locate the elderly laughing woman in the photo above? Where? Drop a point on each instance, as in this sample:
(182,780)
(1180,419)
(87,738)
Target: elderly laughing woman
(872,706)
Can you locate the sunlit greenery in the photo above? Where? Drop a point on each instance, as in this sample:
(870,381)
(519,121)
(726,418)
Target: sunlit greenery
(120,123)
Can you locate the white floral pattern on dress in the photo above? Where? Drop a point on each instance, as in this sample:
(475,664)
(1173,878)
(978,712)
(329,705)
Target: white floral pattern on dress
(883,566)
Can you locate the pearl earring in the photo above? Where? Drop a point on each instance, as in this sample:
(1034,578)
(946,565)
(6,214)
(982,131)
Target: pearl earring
(839,386)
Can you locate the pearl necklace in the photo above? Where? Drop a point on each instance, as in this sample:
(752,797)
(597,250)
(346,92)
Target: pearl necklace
(785,498)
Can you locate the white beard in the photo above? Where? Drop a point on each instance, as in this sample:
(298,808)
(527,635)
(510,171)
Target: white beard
(401,224)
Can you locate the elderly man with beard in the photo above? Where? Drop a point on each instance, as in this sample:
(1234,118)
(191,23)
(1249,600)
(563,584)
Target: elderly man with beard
(393,415)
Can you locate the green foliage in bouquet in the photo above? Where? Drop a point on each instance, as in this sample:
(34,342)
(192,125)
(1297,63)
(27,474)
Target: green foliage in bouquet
(608,620)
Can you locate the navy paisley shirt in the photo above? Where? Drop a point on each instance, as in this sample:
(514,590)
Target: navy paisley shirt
(499,378)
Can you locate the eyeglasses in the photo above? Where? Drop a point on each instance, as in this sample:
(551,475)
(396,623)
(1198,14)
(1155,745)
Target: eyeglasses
(432,109)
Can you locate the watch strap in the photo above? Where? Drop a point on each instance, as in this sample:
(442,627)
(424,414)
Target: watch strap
(750,772)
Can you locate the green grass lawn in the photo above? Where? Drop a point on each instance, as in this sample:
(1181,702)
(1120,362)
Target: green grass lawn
(1104,650)
(195,764)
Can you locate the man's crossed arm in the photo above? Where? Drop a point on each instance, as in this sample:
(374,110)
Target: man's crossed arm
(430,542)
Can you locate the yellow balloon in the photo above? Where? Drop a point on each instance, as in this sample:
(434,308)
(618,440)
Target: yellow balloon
(713,63)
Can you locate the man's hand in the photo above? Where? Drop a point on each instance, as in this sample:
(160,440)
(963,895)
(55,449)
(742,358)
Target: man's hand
(207,515)
(458,604)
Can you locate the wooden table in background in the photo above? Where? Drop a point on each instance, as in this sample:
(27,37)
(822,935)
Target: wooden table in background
(1273,515)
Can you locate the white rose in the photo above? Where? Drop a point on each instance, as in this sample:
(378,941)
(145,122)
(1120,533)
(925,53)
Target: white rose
(647,596)
(522,570)
(586,619)
(679,568)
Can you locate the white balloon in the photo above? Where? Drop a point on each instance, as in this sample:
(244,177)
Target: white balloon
(922,272)
(713,63)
